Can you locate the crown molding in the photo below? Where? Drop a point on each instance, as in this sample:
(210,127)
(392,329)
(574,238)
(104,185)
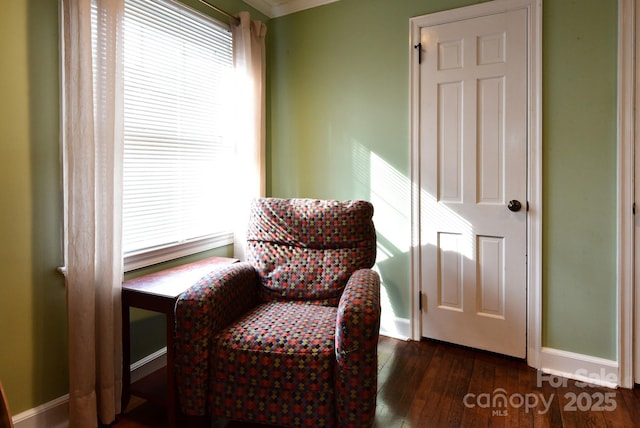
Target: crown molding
(262,6)
(274,10)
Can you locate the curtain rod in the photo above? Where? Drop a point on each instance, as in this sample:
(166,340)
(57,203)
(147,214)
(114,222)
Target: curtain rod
(217,9)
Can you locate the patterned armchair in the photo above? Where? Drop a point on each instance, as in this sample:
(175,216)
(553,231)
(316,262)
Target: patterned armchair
(289,337)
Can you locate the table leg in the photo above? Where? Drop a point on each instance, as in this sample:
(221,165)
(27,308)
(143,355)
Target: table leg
(126,358)
(172,404)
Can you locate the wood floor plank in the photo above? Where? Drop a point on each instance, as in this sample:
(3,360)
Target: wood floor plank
(432,388)
(627,410)
(449,412)
(396,389)
(553,417)
(526,383)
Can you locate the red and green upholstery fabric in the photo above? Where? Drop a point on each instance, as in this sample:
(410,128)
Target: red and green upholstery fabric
(289,337)
(306,249)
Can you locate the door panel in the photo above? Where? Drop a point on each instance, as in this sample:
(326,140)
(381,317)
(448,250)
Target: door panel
(450,275)
(490,285)
(490,180)
(450,142)
(473,145)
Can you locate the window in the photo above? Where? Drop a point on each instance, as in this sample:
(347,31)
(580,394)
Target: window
(177,158)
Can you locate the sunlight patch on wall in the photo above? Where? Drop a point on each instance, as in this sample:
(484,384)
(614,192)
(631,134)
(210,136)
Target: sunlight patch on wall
(389,325)
(390,195)
(389,192)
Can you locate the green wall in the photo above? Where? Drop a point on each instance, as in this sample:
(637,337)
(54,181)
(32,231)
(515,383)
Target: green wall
(33,363)
(33,355)
(339,128)
(579,173)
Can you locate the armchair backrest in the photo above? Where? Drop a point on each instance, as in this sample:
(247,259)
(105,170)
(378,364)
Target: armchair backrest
(305,249)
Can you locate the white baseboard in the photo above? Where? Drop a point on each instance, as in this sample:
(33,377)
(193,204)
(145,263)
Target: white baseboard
(148,364)
(398,328)
(583,368)
(55,413)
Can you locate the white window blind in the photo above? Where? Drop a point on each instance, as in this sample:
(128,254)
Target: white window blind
(177,157)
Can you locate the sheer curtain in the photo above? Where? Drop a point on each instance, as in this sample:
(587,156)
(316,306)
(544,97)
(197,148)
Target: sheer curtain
(250,65)
(92,156)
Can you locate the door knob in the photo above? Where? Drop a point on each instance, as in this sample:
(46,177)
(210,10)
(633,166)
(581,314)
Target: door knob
(514,206)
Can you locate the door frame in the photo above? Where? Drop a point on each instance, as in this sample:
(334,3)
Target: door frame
(628,229)
(534,159)
(631,175)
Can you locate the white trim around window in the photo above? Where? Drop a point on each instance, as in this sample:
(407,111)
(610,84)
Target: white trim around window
(169,252)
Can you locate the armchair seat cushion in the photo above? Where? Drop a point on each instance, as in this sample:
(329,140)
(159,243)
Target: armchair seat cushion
(279,356)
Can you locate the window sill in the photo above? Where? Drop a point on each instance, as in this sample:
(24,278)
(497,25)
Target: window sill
(174,251)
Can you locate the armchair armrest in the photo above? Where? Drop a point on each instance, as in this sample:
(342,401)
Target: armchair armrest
(200,313)
(357,331)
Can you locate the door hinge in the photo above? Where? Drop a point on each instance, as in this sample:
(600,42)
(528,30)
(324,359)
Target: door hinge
(420,300)
(634,208)
(419,47)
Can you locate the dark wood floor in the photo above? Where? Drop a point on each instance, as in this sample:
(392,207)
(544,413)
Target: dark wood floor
(432,384)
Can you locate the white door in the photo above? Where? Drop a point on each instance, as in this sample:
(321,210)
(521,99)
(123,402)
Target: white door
(473,148)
